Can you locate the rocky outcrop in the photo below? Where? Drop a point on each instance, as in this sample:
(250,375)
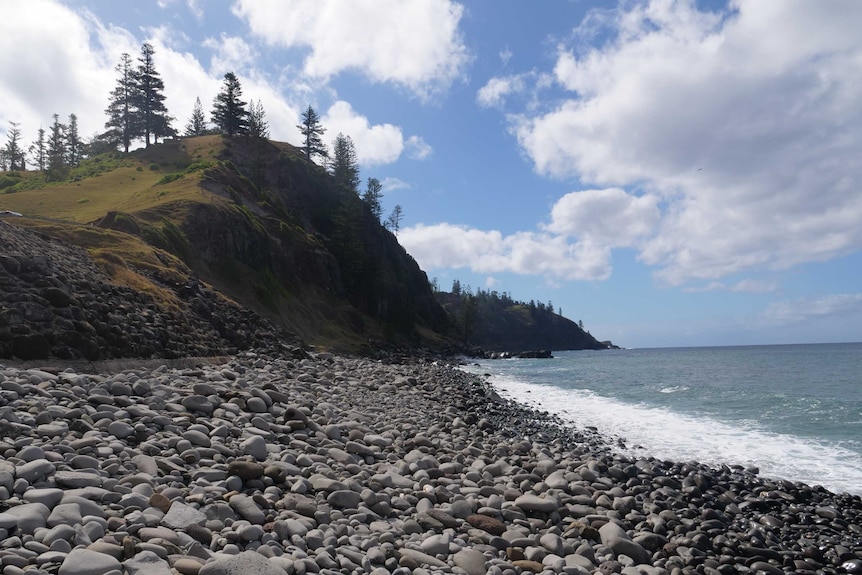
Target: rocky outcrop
(56,302)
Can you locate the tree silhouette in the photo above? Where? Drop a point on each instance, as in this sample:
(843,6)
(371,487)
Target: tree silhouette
(393,222)
(13,154)
(123,121)
(149,99)
(345,169)
(197,125)
(372,196)
(229,111)
(258,127)
(37,150)
(74,146)
(312,131)
(56,151)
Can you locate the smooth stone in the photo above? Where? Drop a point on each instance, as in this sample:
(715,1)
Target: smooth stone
(197,403)
(245,506)
(255,446)
(197,438)
(31,453)
(31,471)
(245,470)
(613,536)
(486,523)
(244,563)
(147,563)
(49,496)
(87,562)
(188,565)
(8,521)
(530,502)
(436,544)
(471,561)
(344,499)
(256,405)
(65,514)
(180,516)
(121,429)
(29,516)
(418,558)
(77,479)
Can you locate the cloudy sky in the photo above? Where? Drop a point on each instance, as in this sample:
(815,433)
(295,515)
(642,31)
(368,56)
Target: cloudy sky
(670,172)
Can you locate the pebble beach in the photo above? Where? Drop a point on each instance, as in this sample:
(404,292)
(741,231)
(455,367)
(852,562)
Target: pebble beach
(272,465)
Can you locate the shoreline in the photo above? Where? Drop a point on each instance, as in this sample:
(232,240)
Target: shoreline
(341,465)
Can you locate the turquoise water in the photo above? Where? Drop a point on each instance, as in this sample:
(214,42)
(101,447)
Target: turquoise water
(794,411)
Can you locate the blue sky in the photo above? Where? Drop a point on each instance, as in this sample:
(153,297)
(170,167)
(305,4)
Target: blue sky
(669,172)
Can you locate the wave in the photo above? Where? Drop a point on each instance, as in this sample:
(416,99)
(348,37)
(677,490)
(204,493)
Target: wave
(662,433)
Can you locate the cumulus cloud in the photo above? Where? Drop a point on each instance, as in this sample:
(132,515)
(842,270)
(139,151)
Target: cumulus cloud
(417,148)
(530,253)
(610,216)
(230,54)
(379,144)
(414,44)
(805,309)
(494,92)
(745,125)
(55,60)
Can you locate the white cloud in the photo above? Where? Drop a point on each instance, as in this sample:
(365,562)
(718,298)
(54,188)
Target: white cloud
(742,286)
(56,61)
(494,92)
(415,44)
(380,144)
(505,56)
(609,217)
(417,148)
(449,246)
(744,124)
(230,54)
(806,309)
(393,184)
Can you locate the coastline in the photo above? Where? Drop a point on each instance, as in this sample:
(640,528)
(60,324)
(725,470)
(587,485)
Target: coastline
(340,465)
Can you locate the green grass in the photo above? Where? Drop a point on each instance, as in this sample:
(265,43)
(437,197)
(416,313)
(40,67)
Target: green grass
(114,182)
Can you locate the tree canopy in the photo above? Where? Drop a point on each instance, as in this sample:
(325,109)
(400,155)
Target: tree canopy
(229,111)
(345,168)
(312,132)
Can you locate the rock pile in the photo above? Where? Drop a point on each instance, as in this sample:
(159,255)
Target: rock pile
(55,302)
(331,465)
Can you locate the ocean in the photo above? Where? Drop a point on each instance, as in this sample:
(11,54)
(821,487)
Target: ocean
(793,411)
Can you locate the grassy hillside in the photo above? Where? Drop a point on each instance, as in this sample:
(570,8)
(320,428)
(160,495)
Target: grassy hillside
(251,218)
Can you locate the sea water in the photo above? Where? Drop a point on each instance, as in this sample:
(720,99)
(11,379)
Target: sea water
(793,411)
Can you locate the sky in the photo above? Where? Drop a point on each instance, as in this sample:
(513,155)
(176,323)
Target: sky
(668,172)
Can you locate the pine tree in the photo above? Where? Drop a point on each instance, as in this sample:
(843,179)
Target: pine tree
(257,124)
(13,154)
(123,120)
(393,222)
(312,131)
(57,168)
(345,169)
(229,113)
(372,196)
(197,125)
(37,151)
(74,146)
(149,98)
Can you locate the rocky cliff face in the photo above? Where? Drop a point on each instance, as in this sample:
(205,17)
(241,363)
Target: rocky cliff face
(56,302)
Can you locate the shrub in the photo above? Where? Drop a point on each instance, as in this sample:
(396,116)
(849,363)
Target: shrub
(168,178)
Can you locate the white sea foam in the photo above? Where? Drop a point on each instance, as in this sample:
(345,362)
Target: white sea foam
(664,434)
